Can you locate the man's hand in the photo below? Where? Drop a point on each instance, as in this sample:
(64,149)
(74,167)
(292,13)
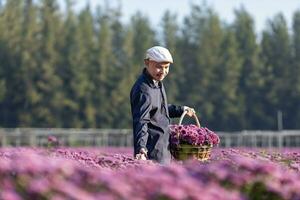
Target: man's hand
(142,155)
(190,111)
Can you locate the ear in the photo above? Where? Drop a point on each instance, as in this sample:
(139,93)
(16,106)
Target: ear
(146,61)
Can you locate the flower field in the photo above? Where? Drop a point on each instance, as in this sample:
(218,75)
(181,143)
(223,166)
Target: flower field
(111,173)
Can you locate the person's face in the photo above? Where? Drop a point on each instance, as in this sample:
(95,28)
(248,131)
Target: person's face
(157,70)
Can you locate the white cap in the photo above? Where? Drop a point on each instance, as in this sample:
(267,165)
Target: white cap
(159,54)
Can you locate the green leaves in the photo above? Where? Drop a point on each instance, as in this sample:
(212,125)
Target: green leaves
(75,69)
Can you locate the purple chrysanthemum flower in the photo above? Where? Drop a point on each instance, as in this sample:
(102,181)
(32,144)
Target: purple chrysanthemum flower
(191,134)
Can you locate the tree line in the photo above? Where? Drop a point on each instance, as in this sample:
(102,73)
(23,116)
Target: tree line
(61,68)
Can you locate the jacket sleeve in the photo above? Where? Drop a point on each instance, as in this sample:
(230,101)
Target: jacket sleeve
(141,106)
(175,111)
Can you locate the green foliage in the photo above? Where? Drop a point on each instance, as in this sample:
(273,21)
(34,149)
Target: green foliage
(295,73)
(201,57)
(258,191)
(251,80)
(277,60)
(10,74)
(144,38)
(226,99)
(75,69)
(170,40)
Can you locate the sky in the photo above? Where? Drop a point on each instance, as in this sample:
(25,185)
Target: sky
(261,10)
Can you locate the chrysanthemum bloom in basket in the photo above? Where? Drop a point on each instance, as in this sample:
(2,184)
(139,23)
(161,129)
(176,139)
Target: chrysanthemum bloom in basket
(193,135)
(192,142)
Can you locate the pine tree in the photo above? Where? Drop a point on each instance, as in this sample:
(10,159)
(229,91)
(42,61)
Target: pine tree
(170,41)
(251,80)
(144,38)
(227,102)
(276,54)
(295,74)
(202,36)
(81,62)
(104,71)
(121,94)
(29,66)
(122,76)
(10,40)
(48,84)
(67,66)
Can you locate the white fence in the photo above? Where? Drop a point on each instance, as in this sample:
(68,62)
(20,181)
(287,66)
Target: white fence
(123,137)
(66,137)
(285,138)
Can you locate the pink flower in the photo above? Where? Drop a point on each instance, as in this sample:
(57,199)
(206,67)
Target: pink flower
(191,134)
(52,138)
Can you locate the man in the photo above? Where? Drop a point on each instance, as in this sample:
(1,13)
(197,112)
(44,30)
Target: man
(150,112)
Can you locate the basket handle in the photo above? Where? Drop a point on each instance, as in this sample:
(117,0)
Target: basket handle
(194,115)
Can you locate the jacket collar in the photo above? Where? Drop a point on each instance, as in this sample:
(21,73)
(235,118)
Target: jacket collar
(150,79)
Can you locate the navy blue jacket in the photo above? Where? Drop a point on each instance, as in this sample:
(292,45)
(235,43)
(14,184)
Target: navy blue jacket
(151,118)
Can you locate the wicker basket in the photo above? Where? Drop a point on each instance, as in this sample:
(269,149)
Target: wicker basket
(187,151)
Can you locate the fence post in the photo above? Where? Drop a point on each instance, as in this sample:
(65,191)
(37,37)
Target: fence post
(3,138)
(227,141)
(279,140)
(32,138)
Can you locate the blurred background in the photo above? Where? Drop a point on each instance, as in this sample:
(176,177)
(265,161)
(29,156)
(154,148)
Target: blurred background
(71,64)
